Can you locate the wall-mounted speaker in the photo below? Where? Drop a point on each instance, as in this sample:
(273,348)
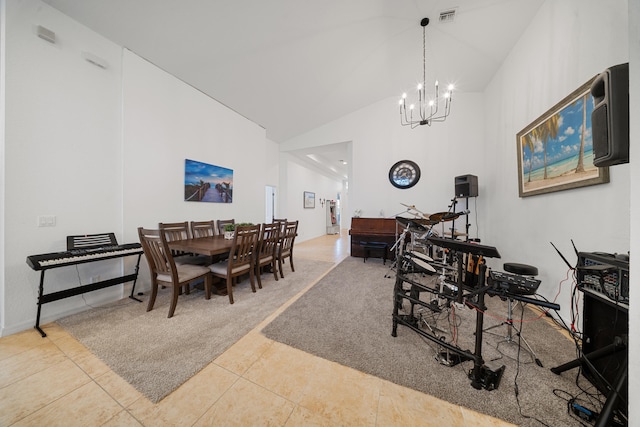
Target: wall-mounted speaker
(466,186)
(610,116)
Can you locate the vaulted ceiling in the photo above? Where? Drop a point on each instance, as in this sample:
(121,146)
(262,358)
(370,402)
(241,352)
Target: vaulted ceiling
(291,65)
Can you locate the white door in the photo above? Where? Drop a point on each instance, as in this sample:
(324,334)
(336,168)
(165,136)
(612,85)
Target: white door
(270,204)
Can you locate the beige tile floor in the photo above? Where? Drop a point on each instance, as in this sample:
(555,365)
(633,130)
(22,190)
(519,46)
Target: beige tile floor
(55,381)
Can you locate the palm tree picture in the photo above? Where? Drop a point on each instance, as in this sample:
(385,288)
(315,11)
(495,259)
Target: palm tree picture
(556,151)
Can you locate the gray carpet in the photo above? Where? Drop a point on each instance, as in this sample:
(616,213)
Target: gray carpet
(156,354)
(347,318)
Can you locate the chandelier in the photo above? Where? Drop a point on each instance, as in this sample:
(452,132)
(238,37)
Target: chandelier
(429,108)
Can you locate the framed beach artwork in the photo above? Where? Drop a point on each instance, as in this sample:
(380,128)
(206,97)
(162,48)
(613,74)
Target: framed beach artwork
(555,152)
(207,183)
(309,199)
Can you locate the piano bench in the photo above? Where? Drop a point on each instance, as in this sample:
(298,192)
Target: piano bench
(378,248)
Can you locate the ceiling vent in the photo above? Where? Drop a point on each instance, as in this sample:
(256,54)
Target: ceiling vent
(447,15)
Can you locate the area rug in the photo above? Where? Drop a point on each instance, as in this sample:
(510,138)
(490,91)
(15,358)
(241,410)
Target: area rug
(156,354)
(347,318)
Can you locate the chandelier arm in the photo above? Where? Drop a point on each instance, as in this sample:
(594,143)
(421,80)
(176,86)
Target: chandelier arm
(443,117)
(404,121)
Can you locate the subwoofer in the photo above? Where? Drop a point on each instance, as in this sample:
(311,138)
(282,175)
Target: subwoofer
(603,322)
(610,116)
(466,186)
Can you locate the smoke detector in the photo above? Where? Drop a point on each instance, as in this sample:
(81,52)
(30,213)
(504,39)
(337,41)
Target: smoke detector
(447,15)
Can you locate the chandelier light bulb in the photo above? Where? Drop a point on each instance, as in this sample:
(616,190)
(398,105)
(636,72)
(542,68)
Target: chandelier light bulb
(404,95)
(420,86)
(450,88)
(431,103)
(411,107)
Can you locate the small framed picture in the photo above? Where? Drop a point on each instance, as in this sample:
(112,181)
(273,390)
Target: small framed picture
(309,200)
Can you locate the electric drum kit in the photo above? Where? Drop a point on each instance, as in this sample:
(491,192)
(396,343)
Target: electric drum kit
(421,227)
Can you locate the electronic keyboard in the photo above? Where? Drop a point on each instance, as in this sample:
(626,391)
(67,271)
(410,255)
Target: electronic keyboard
(81,249)
(79,256)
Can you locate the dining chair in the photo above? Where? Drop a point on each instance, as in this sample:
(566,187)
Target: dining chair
(241,258)
(281,222)
(285,246)
(203,228)
(173,231)
(206,229)
(165,272)
(266,252)
(222,223)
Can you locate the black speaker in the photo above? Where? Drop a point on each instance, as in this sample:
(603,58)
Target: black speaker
(610,116)
(602,322)
(466,186)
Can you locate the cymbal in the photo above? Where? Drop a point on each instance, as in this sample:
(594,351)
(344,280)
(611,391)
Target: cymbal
(412,225)
(442,266)
(443,216)
(428,221)
(403,221)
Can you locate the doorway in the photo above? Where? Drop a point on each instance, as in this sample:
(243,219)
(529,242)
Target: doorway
(270,204)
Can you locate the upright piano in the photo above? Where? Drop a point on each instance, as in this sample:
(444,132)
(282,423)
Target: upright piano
(372,230)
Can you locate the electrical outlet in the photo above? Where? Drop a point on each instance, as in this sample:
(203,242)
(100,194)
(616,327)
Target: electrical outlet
(46,221)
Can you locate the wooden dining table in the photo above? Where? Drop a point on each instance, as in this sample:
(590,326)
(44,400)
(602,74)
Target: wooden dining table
(213,245)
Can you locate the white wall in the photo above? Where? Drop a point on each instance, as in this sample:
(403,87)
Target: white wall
(63,155)
(167,121)
(442,152)
(103,151)
(565,45)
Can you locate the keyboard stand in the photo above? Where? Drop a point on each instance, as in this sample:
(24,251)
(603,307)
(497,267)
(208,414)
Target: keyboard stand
(78,290)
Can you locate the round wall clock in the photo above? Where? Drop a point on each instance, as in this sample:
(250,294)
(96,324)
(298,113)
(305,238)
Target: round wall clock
(404,174)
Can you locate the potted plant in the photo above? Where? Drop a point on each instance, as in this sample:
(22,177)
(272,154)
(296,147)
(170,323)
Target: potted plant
(229,229)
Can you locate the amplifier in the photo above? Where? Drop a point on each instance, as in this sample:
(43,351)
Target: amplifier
(604,274)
